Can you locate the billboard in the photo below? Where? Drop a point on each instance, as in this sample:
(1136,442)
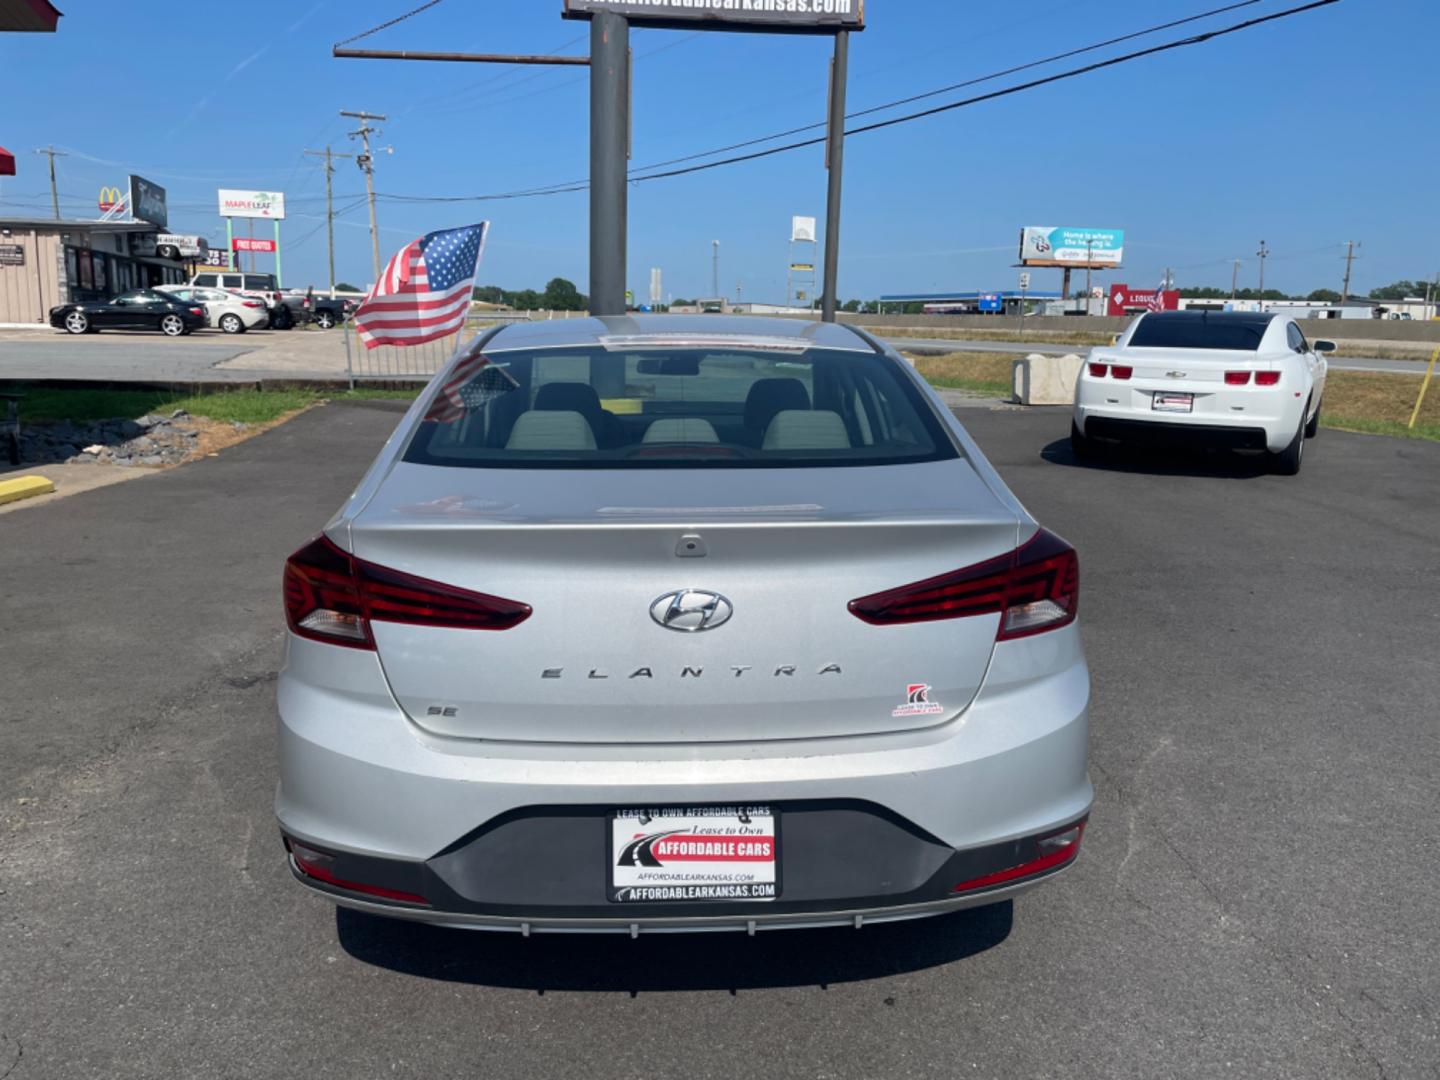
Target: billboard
(1046,245)
(789,16)
(147,202)
(1124,300)
(802,230)
(252,204)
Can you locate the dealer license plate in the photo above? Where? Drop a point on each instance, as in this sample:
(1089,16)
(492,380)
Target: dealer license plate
(700,853)
(1173,402)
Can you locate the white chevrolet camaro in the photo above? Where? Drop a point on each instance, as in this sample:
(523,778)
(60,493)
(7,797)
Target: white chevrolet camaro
(1237,380)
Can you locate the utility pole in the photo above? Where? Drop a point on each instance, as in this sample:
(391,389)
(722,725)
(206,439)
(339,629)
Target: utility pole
(1263,253)
(1350,246)
(329,157)
(366,161)
(715,269)
(1169,281)
(52,154)
(835,163)
(1234,280)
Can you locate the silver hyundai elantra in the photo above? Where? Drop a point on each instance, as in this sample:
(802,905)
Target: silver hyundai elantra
(680,623)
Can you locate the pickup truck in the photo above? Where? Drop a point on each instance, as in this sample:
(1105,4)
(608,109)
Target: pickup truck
(306,307)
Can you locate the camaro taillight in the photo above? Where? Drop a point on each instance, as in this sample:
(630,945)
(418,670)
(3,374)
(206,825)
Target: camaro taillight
(1054,850)
(1267,378)
(1098,370)
(1034,588)
(1237,378)
(1122,371)
(332,596)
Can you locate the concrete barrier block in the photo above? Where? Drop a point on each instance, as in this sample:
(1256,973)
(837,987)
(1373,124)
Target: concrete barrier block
(1046,380)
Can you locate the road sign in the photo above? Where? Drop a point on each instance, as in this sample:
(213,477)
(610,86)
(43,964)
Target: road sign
(1025,281)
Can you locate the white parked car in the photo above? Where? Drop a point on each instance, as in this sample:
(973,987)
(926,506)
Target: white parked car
(227,311)
(1239,380)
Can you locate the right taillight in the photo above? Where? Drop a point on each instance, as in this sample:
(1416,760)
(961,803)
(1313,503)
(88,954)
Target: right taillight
(1267,378)
(333,597)
(1034,589)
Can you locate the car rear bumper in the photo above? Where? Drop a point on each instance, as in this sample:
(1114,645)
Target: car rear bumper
(938,896)
(1170,433)
(512,835)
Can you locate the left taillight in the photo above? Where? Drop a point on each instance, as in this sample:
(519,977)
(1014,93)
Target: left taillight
(1034,589)
(333,597)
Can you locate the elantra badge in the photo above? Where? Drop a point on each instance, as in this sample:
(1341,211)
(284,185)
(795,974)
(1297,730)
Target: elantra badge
(691,610)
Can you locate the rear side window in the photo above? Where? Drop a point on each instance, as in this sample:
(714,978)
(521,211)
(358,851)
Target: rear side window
(206,279)
(259,282)
(594,408)
(1198,332)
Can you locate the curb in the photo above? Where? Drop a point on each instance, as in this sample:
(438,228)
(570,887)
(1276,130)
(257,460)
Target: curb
(23,487)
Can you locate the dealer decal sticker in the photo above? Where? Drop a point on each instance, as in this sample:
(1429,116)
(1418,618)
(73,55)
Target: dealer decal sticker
(917,702)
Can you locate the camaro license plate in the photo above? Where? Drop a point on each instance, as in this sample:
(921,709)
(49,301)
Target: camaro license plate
(1173,402)
(693,853)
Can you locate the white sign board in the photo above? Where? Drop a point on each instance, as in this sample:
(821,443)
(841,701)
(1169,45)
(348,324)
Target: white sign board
(657,292)
(1025,280)
(802,229)
(252,204)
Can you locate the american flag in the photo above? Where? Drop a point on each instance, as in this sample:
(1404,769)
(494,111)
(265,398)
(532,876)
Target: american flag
(470,385)
(424,293)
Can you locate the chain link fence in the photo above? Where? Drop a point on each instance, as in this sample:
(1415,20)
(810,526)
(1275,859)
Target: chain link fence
(418,363)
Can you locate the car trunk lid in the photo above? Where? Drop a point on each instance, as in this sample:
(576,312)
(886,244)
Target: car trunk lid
(593,551)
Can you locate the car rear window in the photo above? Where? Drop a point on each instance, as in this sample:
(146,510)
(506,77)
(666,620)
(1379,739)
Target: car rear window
(1199,332)
(655,408)
(261,282)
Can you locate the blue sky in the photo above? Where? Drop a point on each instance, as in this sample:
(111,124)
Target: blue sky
(1307,132)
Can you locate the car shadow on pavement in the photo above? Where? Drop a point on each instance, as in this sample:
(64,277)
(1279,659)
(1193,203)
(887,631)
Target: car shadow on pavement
(1161,461)
(657,963)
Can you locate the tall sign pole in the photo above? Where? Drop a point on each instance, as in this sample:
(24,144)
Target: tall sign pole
(835,162)
(609,159)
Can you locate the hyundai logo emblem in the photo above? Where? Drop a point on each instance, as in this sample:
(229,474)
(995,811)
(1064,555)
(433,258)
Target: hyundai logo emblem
(691,610)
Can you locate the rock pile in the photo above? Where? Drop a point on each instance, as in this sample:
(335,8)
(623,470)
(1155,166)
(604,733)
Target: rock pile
(146,440)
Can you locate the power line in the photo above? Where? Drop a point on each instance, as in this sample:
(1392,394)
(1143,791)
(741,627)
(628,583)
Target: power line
(390,22)
(1196,39)
(961,85)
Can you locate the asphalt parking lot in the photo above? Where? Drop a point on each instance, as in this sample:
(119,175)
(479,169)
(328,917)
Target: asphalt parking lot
(1256,896)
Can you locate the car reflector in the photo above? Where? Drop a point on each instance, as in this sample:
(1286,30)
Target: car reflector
(1055,850)
(320,865)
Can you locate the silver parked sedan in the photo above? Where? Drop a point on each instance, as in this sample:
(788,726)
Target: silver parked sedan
(668,623)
